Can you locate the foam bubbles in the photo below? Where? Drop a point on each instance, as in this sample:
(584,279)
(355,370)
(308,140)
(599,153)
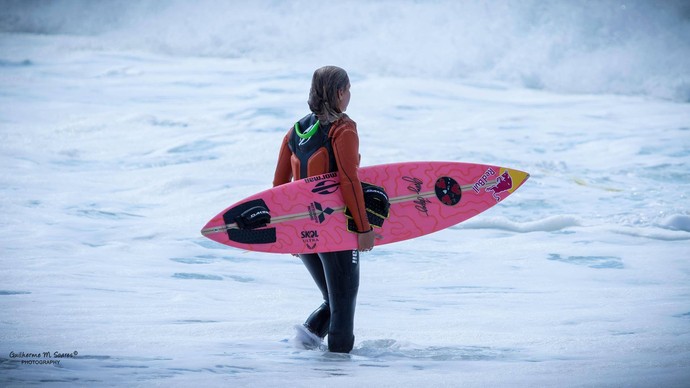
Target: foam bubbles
(549,224)
(600,47)
(676,222)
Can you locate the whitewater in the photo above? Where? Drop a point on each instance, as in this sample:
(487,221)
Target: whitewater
(125,126)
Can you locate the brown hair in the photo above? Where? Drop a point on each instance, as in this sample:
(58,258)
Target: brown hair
(323,96)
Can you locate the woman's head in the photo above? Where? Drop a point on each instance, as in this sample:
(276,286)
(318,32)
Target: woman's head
(329,94)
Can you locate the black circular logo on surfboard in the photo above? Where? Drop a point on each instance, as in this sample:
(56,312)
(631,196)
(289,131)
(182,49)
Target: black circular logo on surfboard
(448,191)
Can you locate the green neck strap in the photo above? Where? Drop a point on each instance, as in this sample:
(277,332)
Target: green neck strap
(310,132)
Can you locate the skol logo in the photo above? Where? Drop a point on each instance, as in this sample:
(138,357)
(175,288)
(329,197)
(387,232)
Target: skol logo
(310,238)
(310,234)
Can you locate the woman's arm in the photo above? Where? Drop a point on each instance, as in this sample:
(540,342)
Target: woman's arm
(346,150)
(283,173)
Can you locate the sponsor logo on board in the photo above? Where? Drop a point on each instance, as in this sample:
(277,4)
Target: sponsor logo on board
(416,187)
(326,187)
(481,182)
(320,177)
(503,183)
(317,213)
(310,238)
(448,191)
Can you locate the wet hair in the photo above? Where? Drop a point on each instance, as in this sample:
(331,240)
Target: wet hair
(323,96)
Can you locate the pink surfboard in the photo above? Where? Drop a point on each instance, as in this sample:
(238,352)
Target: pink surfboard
(309,215)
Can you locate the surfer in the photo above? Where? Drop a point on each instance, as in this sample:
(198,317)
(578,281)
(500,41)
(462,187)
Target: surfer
(325,141)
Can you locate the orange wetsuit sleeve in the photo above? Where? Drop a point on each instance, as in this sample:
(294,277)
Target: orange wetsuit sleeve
(346,150)
(283,173)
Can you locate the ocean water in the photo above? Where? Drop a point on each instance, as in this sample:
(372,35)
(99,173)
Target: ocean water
(125,126)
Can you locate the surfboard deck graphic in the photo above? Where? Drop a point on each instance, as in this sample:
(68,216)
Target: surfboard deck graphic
(309,215)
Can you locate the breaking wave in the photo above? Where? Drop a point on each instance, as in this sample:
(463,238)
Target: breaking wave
(621,47)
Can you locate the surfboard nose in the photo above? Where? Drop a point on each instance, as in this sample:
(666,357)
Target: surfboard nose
(519,177)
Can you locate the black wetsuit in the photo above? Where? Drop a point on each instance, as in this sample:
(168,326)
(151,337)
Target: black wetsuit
(337,276)
(334,147)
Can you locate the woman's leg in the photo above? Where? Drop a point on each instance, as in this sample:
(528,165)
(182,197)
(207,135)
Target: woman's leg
(319,321)
(341,270)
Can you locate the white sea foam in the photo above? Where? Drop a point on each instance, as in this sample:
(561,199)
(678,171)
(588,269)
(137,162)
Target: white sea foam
(124,126)
(653,233)
(550,224)
(677,222)
(633,47)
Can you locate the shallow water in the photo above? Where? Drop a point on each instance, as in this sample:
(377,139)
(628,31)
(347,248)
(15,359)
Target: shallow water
(114,158)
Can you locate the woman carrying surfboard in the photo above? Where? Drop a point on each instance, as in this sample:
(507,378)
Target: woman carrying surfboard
(325,141)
